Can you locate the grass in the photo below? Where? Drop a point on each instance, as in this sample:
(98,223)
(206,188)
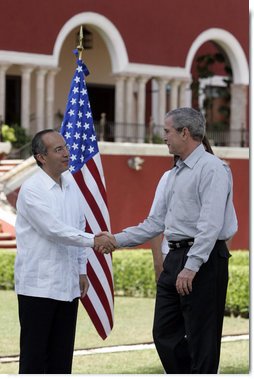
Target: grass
(133,322)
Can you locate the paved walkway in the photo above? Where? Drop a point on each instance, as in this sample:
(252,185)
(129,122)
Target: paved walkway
(123,348)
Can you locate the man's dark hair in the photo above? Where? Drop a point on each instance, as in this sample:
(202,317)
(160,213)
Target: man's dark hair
(38,146)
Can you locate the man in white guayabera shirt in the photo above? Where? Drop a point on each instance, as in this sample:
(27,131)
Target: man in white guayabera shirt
(50,267)
(197,216)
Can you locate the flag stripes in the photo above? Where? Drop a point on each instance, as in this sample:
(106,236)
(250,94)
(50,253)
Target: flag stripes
(85,165)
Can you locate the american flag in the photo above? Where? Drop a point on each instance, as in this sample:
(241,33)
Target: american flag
(85,165)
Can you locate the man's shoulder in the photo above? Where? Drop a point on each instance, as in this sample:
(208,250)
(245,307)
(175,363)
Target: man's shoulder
(212,159)
(211,163)
(35,181)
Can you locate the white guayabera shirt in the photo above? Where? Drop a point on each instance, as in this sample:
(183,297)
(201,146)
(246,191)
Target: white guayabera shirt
(197,202)
(51,244)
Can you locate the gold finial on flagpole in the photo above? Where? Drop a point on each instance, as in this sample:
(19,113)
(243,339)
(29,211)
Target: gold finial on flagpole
(80,45)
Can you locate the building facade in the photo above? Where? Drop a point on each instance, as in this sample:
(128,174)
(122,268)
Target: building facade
(143,58)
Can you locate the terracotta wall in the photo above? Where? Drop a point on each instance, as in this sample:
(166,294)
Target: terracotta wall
(130,193)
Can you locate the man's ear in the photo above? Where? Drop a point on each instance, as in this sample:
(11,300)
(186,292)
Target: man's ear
(185,133)
(40,158)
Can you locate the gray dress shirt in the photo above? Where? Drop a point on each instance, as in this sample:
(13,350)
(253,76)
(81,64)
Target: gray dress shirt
(197,202)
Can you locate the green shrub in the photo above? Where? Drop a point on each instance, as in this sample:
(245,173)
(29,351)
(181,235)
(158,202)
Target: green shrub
(133,273)
(239,258)
(7,270)
(134,276)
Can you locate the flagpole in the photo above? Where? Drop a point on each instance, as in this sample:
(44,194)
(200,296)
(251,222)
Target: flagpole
(80,45)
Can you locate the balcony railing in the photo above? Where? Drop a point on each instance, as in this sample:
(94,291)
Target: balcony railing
(143,133)
(135,133)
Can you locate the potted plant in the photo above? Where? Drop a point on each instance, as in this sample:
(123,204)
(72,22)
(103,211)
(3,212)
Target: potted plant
(7,136)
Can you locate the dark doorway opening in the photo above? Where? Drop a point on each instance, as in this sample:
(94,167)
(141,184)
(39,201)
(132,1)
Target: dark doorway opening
(102,100)
(13,100)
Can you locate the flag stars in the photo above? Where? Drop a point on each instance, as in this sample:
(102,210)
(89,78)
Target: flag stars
(73,157)
(77,126)
(75,146)
(77,79)
(67,135)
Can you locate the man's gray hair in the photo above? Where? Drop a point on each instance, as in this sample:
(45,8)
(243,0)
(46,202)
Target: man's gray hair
(188,118)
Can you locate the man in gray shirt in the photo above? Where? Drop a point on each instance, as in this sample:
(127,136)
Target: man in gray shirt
(197,216)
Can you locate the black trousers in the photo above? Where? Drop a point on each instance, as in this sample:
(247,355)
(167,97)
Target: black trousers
(47,335)
(187,329)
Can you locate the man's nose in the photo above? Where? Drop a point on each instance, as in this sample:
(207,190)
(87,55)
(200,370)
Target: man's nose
(66,151)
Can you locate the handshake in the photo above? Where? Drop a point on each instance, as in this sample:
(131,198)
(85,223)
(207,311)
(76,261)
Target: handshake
(104,243)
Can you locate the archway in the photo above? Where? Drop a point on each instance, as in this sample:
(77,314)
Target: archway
(238,89)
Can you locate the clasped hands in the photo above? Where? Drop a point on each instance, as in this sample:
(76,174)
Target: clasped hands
(104,242)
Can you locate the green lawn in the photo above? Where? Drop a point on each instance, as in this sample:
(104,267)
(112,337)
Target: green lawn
(133,322)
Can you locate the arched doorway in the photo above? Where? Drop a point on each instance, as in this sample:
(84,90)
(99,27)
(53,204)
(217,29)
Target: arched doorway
(224,80)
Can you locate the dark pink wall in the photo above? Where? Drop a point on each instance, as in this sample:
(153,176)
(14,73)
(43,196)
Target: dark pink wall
(158,32)
(130,193)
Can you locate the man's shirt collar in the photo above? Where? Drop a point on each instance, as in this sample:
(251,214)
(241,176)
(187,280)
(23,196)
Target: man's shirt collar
(192,159)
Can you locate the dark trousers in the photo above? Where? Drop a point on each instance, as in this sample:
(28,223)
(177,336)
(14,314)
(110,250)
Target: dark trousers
(187,329)
(47,335)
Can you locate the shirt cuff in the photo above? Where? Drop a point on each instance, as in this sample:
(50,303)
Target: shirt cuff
(83,268)
(121,240)
(89,239)
(193,263)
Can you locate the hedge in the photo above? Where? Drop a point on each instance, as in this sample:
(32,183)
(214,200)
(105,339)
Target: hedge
(7,270)
(134,277)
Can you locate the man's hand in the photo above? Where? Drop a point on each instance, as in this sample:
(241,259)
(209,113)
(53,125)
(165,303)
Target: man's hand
(83,284)
(104,242)
(184,281)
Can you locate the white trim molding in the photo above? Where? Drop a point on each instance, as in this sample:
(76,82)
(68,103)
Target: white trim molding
(232,48)
(108,32)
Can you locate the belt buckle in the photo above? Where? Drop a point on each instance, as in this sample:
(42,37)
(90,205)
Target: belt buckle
(178,245)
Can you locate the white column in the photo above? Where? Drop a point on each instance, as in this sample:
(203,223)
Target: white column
(162,100)
(174,101)
(185,94)
(50,98)
(238,113)
(129,104)
(141,109)
(119,109)
(26,97)
(40,99)
(3,68)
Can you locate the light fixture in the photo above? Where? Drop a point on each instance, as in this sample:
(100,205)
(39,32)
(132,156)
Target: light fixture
(135,163)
